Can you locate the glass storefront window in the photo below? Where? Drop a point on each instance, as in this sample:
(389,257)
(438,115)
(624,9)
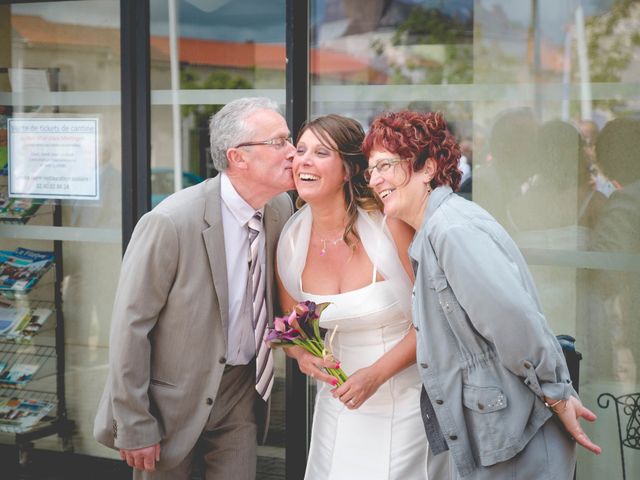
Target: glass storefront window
(203,55)
(544,99)
(60,185)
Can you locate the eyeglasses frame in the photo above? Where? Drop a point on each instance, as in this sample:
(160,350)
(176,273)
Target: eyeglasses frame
(391,162)
(272,142)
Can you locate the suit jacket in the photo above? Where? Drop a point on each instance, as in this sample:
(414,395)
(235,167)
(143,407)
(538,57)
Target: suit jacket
(170,321)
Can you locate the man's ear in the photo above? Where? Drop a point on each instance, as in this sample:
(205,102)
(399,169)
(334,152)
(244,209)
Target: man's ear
(236,160)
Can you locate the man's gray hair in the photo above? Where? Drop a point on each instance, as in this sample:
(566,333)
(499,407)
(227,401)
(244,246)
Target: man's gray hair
(227,127)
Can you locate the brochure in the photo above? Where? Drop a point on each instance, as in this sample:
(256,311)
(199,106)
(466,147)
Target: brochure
(24,330)
(17,210)
(18,415)
(11,317)
(21,269)
(19,374)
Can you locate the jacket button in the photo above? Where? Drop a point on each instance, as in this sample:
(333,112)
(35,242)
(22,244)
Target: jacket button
(209,401)
(453,437)
(424,365)
(416,327)
(222,360)
(480,406)
(439,402)
(527,365)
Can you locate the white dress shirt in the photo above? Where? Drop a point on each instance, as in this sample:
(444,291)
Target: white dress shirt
(236,213)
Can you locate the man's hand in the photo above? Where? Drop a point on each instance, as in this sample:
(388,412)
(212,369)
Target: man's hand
(143,458)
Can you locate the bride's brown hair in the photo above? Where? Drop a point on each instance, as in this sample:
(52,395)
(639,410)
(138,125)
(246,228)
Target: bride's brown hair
(344,136)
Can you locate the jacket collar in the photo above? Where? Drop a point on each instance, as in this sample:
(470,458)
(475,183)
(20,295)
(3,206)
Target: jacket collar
(436,198)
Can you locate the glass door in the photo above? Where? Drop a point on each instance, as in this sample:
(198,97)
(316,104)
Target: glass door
(60,215)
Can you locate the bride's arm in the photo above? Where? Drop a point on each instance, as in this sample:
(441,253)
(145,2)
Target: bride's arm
(307,363)
(366,381)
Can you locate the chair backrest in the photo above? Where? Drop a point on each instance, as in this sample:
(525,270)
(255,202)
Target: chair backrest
(628,417)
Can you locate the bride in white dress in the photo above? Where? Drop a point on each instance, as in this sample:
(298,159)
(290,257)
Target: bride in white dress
(339,249)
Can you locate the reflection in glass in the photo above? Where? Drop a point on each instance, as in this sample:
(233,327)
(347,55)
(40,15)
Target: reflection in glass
(543,98)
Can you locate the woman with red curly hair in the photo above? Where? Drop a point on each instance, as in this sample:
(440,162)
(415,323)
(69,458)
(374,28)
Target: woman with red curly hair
(495,379)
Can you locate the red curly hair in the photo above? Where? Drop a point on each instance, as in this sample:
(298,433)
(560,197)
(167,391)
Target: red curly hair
(417,136)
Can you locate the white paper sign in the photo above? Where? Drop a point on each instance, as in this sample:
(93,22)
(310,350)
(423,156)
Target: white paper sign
(53,158)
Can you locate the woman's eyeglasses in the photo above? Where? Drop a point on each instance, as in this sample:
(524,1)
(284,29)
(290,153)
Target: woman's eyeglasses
(278,142)
(383,165)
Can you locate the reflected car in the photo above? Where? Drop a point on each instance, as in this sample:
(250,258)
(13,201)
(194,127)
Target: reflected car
(162,183)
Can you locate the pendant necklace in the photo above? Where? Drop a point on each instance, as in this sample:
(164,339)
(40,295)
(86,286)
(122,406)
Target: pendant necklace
(324,242)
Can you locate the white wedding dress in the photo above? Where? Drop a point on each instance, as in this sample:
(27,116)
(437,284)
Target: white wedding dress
(384,438)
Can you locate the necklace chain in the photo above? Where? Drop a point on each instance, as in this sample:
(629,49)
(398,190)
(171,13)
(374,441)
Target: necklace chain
(325,241)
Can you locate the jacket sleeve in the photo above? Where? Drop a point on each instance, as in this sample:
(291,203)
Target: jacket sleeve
(148,271)
(496,291)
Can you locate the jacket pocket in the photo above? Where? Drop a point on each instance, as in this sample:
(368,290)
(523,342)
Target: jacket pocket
(437,281)
(161,383)
(483,399)
(485,419)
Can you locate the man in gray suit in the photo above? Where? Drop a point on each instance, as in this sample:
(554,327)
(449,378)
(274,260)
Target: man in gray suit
(191,308)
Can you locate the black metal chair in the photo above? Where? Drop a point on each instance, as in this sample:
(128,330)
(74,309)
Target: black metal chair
(628,417)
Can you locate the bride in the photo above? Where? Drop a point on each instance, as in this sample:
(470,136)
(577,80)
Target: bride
(338,248)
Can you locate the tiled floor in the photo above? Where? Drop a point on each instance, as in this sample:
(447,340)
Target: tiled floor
(45,465)
(62,466)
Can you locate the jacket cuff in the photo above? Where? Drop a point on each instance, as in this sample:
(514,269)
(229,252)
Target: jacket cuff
(559,391)
(133,438)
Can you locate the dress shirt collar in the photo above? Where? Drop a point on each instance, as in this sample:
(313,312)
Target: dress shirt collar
(238,207)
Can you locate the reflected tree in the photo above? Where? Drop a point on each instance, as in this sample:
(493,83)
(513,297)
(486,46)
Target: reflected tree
(450,58)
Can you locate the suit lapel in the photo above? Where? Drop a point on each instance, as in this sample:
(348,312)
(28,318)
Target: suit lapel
(271,222)
(213,237)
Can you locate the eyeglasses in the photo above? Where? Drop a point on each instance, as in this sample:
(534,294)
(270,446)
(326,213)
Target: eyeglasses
(278,142)
(383,165)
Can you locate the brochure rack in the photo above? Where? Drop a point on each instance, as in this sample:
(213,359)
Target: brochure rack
(32,342)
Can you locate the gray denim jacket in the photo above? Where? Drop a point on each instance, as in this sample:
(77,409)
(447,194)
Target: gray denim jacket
(485,352)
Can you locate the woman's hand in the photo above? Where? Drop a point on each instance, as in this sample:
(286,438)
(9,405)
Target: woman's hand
(313,366)
(358,388)
(569,411)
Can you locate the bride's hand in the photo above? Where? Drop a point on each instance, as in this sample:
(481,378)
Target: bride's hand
(313,366)
(358,388)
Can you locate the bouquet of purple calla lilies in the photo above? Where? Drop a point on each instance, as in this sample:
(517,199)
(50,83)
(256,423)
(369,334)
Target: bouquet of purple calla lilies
(302,327)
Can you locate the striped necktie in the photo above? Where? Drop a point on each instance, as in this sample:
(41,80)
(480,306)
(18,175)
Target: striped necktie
(264,356)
